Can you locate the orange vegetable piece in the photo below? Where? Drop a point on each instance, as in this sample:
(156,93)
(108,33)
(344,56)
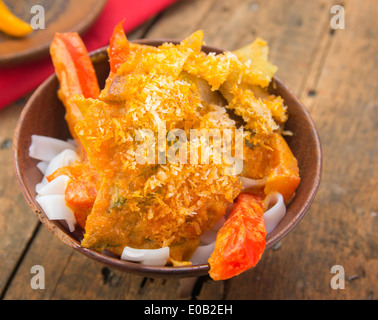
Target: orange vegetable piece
(81,191)
(76,75)
(283,171)
(80,197)
(70,55)
(119,48)
(75,72)
(241,241)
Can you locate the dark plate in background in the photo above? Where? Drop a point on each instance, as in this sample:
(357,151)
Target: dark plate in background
(60,16)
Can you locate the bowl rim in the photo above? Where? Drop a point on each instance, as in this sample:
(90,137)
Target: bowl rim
(153,271)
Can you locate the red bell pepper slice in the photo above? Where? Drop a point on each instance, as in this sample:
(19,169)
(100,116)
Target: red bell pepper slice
(119,48)
(76,75)
(70,55)
(241,241)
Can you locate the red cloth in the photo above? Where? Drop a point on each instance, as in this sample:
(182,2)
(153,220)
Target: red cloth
(17,81)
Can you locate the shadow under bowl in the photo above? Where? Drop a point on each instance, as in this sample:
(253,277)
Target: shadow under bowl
(44,115)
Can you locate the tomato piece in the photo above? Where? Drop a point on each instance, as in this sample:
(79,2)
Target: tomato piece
(241,241)
(119,48)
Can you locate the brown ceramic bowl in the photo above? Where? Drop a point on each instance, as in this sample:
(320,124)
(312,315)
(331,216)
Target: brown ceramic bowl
(44,115)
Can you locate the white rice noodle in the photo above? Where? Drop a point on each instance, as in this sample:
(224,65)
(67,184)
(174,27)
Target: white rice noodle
(207,242)
(54,154)
(56,187)
(73,142)
(248,183)
(209,236)
(229,209)
(202,254)
(65,158)
(51,195)
(275,212)
(55,208)
(42,166)
(149,257)
(46,148)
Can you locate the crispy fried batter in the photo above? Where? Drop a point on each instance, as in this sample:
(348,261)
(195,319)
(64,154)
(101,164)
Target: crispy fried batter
(152,205)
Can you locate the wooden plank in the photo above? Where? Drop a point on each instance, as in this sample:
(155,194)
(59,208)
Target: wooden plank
(341,227)
(48,252)
(66,280)
(70,275)
(186,17)
(293,30)
(17,222)
(181,19)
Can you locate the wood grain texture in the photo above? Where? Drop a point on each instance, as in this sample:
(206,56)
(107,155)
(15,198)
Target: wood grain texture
(16,225)
(334,73)
(341,227)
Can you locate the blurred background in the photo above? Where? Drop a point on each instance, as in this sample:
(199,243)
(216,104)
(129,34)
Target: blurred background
(328,57)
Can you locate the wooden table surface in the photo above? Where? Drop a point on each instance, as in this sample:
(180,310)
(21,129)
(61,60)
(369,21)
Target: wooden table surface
(334,72)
